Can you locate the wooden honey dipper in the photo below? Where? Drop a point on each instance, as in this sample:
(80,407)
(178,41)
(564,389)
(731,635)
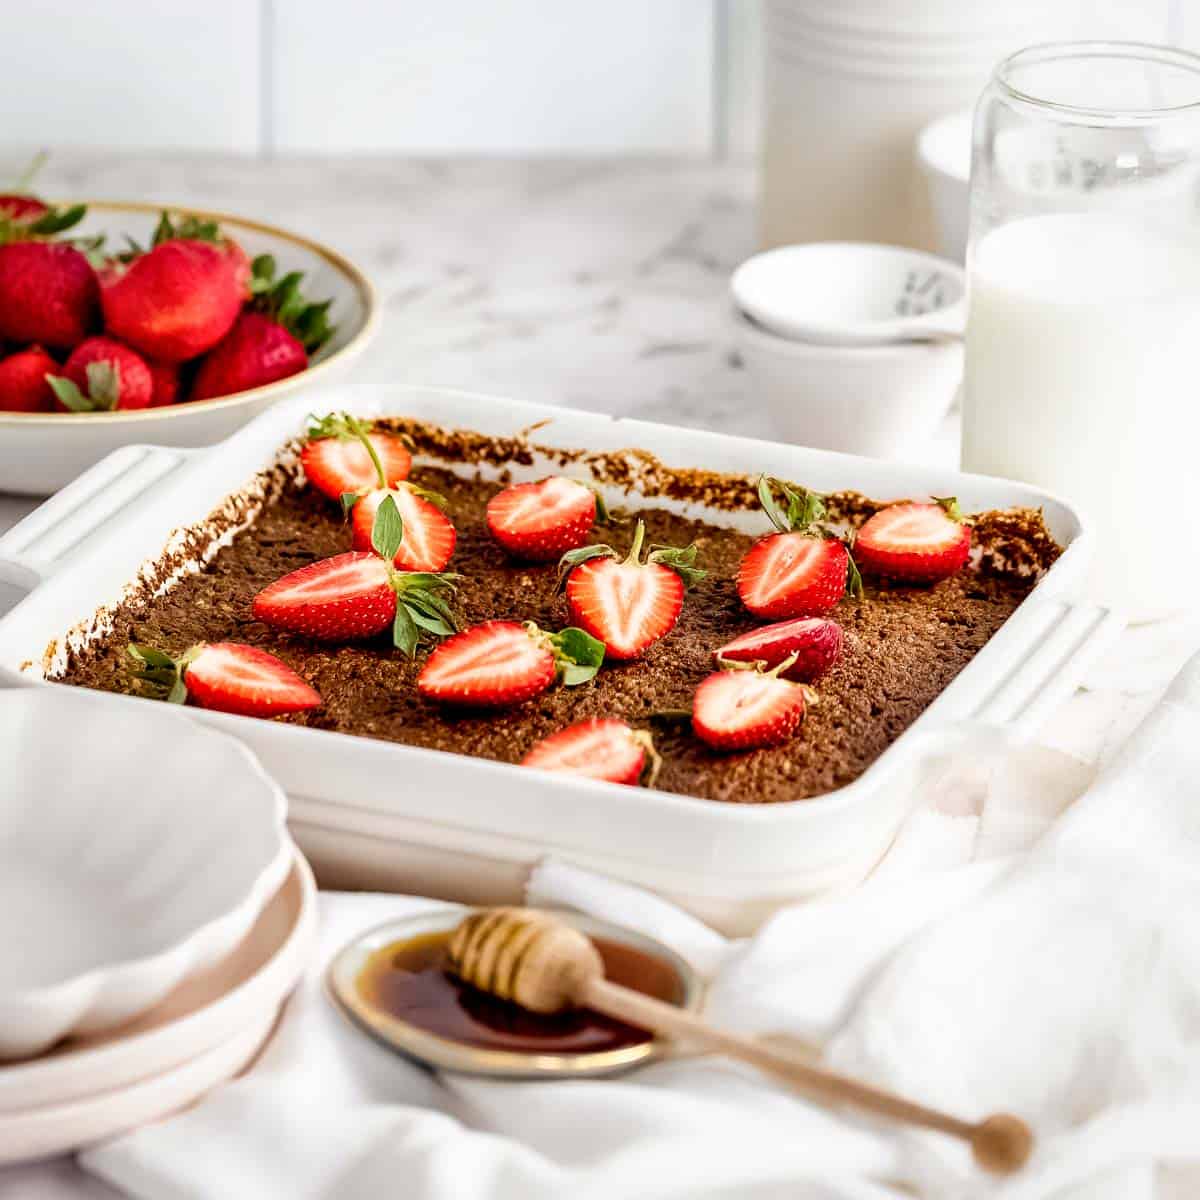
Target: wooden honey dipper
(543,964)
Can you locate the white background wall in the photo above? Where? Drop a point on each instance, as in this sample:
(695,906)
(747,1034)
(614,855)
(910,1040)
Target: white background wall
(402,76)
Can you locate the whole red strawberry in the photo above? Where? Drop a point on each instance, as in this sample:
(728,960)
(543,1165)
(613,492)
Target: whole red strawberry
(23,386)
(179,298)
(271,340)
(22,208)
(166,384)
(102,375)
(48,294)
(256,351)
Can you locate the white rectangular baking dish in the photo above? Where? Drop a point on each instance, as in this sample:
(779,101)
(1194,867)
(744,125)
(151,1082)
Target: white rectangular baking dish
(376,814)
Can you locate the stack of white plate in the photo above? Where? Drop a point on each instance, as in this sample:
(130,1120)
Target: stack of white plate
(154,915)
(850,83)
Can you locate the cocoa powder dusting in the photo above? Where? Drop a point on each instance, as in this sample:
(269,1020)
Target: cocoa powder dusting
(902,645)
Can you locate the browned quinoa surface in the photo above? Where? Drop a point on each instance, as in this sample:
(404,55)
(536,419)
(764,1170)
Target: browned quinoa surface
(902,645)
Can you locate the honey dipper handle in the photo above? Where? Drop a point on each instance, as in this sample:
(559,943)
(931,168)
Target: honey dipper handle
(1000,1143)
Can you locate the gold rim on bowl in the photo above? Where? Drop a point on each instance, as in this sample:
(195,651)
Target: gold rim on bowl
(362,285)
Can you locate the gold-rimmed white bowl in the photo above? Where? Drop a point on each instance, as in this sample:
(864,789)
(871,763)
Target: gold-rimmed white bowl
(40,452)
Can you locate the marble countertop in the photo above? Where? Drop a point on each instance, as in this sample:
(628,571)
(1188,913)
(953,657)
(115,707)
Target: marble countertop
(598,285)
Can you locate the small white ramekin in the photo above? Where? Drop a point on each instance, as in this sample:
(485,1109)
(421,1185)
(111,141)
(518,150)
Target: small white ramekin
(874,400)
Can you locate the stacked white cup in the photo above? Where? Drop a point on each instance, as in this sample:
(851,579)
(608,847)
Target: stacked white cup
(850,83)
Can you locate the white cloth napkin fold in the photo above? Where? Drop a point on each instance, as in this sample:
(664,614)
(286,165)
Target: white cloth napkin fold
(972,972)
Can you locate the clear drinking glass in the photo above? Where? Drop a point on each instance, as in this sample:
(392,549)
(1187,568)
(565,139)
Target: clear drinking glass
(1083,336)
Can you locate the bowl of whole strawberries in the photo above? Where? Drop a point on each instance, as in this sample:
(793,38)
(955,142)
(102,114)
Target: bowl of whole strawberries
(127,322)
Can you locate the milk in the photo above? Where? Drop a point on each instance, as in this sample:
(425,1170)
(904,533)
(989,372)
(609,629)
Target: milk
(1083,377)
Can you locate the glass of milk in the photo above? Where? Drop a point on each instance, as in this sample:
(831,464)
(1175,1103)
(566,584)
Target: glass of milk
(1083,335)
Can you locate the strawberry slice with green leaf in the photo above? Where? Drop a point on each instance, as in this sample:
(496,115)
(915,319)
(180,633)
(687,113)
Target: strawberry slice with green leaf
(801,570)
(598,749)
(627,603)
(915,543)
(224,677)
(429,535)
(539,522)
(358,595)
(345,457)
(500,663)
(745,709)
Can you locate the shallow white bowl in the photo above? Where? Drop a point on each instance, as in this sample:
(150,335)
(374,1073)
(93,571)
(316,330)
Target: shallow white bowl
(851,293)
(133,853)
(40,452)
(944,156)
(872,400)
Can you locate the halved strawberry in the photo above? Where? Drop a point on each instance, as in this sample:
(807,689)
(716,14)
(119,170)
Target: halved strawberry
(226,677)
(542,521)
(815,644)
(500,663)
(626,603)
(801,571)
(596,749)
(358,595)
(345,456)
(746,709)
(336,599)
(429,537)
(915,543)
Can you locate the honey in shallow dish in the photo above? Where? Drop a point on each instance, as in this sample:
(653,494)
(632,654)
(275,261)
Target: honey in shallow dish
(409,981)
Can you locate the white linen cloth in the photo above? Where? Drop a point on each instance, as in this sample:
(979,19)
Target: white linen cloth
(986,966)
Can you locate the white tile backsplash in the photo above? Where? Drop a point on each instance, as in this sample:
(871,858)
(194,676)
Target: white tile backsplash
(131,74)
(741,78)
(397,76)
(462,76)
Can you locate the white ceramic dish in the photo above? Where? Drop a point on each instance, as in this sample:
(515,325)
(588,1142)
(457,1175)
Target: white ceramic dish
(934,20)
(40,452)
(943,153)
(206,1010)
(442,1053)
(873,400)
(134,853)
(468,829)
(60,1128)
(852,293)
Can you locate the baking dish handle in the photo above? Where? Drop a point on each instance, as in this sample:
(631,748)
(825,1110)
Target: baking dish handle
(1068,636)
(33,548)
